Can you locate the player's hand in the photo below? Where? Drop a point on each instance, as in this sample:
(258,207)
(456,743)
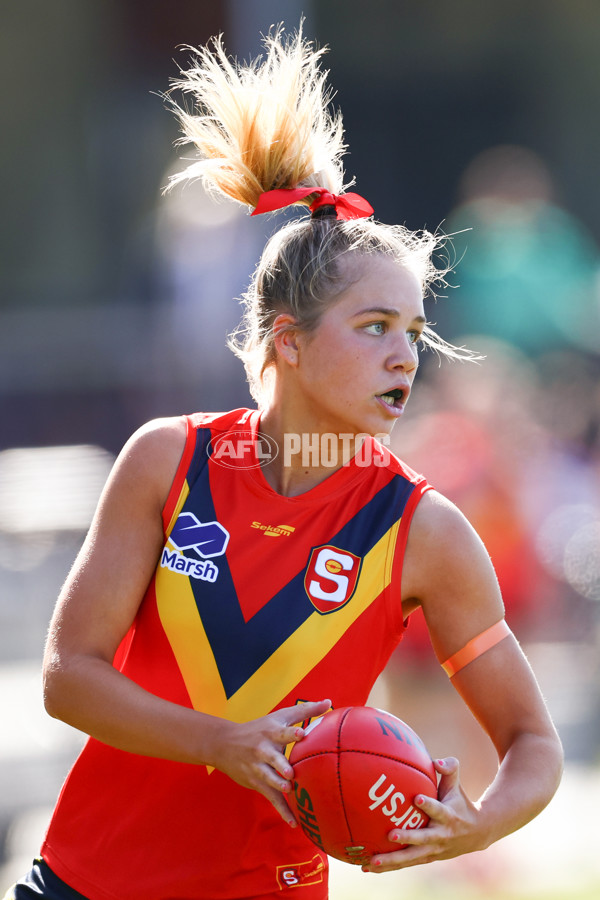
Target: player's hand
(252,753)
(451,831)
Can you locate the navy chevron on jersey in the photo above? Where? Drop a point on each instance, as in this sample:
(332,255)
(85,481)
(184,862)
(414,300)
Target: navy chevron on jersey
(258,601)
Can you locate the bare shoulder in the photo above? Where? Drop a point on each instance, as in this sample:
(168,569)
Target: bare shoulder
(448,572)
(103,592)
(441,535)
(149,460)
(159,441)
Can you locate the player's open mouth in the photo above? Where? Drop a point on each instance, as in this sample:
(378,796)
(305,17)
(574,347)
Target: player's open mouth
(394,400)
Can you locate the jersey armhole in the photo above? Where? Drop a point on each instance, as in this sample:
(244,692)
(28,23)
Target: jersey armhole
(421,488)
(182,468)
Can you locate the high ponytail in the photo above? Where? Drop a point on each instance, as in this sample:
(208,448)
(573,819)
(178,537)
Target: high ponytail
(261,125)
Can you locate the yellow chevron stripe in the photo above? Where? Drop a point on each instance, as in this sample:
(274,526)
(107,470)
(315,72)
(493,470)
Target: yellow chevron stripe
(287,666)
(183,627)
(185,490)
(311,642)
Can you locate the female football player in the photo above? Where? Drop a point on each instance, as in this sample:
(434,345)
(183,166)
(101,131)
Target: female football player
(246,570)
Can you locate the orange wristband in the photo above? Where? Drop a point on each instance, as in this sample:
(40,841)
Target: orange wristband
(475,647)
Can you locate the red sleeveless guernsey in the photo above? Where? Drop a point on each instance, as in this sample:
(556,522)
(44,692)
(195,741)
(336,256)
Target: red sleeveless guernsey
(258,602)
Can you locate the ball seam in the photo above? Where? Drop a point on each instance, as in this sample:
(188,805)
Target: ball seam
(393,759)
(339,779)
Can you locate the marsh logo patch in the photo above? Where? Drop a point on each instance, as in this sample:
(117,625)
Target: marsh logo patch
(206,539)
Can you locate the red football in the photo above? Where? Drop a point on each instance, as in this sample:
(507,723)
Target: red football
(356,774)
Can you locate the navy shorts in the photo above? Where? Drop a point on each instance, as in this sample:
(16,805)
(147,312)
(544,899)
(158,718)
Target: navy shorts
(42,882)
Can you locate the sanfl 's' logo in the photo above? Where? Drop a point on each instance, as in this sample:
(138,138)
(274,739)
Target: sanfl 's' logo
(331,577)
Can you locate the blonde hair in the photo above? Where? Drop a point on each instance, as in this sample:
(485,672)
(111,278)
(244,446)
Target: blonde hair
(264,125)
(261,125)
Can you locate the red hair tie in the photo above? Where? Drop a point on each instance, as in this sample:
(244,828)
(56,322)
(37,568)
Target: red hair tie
(347,206)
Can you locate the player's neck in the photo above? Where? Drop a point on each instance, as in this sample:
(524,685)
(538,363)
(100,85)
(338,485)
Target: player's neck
(308,454)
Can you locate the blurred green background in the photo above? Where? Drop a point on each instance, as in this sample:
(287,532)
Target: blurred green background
(477,117)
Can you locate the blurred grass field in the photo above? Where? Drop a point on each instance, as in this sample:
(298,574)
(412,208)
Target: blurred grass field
(397,890)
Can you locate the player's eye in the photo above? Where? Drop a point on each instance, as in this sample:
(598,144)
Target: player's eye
(376,327)
(414,335)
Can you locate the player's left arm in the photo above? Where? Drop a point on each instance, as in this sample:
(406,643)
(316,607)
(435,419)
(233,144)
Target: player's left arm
(449,571)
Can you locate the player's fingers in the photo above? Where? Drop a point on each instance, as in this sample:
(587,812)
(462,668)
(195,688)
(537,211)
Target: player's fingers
(278,779)
(287,730)
(287,734)
(269,778)
(431,807)
(412,837)
(278,801)
(449,769)
(391,862)
(415,846)
(277,762)
(448,766)
(293,715)
(437,813)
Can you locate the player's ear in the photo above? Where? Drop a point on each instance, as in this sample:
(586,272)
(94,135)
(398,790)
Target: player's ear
(285,338)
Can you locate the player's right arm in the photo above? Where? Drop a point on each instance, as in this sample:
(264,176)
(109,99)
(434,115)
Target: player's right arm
(95,610)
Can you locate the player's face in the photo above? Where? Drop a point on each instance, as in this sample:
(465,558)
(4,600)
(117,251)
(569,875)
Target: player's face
(357,367)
